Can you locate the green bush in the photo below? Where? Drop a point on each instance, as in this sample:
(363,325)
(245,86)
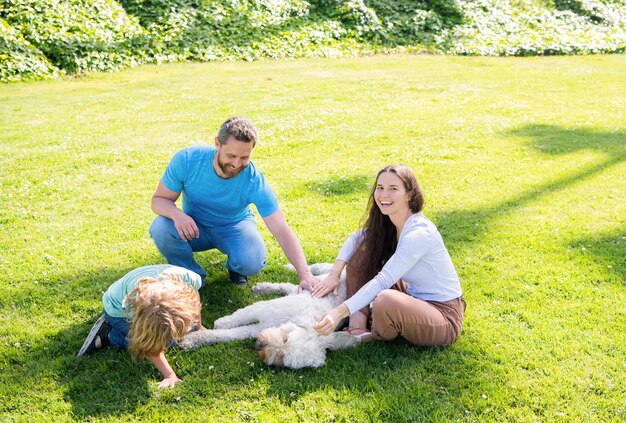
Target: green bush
(234,30)
(19,59)
(496,28)
(49,37)
(79,35)
(410,22)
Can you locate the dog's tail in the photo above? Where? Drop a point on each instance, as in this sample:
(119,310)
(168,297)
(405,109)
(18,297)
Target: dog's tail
(269,288)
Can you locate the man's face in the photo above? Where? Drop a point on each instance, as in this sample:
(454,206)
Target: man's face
(232,157)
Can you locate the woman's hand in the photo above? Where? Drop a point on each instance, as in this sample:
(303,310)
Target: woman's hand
(328,323)
(330,283)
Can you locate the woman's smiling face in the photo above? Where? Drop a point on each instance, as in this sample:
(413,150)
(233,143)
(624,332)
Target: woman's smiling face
(390,195)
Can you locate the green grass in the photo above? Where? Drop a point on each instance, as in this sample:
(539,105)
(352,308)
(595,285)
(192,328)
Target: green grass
(522,162)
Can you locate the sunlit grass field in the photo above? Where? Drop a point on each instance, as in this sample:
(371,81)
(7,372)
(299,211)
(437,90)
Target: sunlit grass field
(523,161)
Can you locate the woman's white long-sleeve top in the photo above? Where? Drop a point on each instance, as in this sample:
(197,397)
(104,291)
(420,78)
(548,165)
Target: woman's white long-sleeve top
(421,260)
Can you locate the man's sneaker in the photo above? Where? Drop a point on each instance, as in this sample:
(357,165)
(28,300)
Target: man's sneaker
(99,331)
(237,278)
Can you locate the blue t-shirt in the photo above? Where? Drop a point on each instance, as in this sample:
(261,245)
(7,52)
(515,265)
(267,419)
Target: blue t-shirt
(114,298)
(210,200)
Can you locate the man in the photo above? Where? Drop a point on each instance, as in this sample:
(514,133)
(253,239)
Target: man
(218,185)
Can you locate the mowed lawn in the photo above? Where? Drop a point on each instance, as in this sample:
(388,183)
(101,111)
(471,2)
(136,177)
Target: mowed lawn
(523,161)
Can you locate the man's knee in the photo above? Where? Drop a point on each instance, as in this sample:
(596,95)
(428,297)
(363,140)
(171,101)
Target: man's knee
(247,264)
(162,230)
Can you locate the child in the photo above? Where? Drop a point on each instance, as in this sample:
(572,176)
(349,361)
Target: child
(145,312)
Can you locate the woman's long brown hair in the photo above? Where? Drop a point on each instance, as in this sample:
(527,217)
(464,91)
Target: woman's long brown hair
(379,238)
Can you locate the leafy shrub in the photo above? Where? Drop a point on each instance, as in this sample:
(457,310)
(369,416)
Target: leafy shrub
(493,27)
(410,22)
(236,30)
(19,59)
(78,35)
(48,37)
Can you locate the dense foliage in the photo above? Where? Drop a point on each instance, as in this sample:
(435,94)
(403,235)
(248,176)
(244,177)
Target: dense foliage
(41,38)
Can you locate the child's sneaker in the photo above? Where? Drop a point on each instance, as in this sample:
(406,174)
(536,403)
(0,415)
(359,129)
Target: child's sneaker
(98,337)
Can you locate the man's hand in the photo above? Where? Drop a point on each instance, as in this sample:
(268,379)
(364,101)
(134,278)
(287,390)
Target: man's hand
(186,226)
(163,203)
(328,284)
(328,323)
(308,283)
(169,382)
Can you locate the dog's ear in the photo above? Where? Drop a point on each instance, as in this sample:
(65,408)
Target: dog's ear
(270,355)
(261,341)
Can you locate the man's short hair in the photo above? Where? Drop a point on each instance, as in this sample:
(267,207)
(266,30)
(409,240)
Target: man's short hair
(239,128)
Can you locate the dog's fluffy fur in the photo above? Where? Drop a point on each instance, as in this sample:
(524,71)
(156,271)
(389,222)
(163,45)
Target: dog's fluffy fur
(284,325)
(293,346)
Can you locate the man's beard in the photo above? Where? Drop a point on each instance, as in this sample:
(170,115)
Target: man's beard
(228,170)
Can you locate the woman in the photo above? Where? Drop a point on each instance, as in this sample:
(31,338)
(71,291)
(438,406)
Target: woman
(398,247)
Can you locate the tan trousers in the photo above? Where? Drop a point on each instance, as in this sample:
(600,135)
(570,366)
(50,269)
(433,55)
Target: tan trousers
(394,313)
(419,322)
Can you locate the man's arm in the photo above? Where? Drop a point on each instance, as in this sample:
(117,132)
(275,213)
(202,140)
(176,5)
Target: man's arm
(163,203)
(290,245)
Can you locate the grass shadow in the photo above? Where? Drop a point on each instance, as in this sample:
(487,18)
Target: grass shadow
(554,140)
(374,370)
(340,186)
(608,250)
(466,226)
(109,383)
(378,371)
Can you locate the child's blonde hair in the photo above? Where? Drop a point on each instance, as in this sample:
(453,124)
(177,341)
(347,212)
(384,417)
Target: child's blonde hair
(160,310)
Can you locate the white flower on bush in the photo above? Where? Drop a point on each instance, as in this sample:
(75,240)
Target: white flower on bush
(276,12)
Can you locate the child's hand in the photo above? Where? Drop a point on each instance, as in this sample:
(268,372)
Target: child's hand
(169,382)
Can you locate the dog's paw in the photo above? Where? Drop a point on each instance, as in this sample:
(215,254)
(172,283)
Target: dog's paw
(222,323)
(189,341)
(289,267)
(341,340)
(318,269)
(198,338)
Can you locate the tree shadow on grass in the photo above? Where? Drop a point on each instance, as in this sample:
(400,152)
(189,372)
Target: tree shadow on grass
(608,250)
(466,226)
(111,384)
(340,186)
(554,140)
(383,366)
(108,383)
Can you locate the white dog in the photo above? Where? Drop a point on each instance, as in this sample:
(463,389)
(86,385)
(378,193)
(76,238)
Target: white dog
(284,325)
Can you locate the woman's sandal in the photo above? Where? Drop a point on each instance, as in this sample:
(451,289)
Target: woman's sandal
(363,335)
